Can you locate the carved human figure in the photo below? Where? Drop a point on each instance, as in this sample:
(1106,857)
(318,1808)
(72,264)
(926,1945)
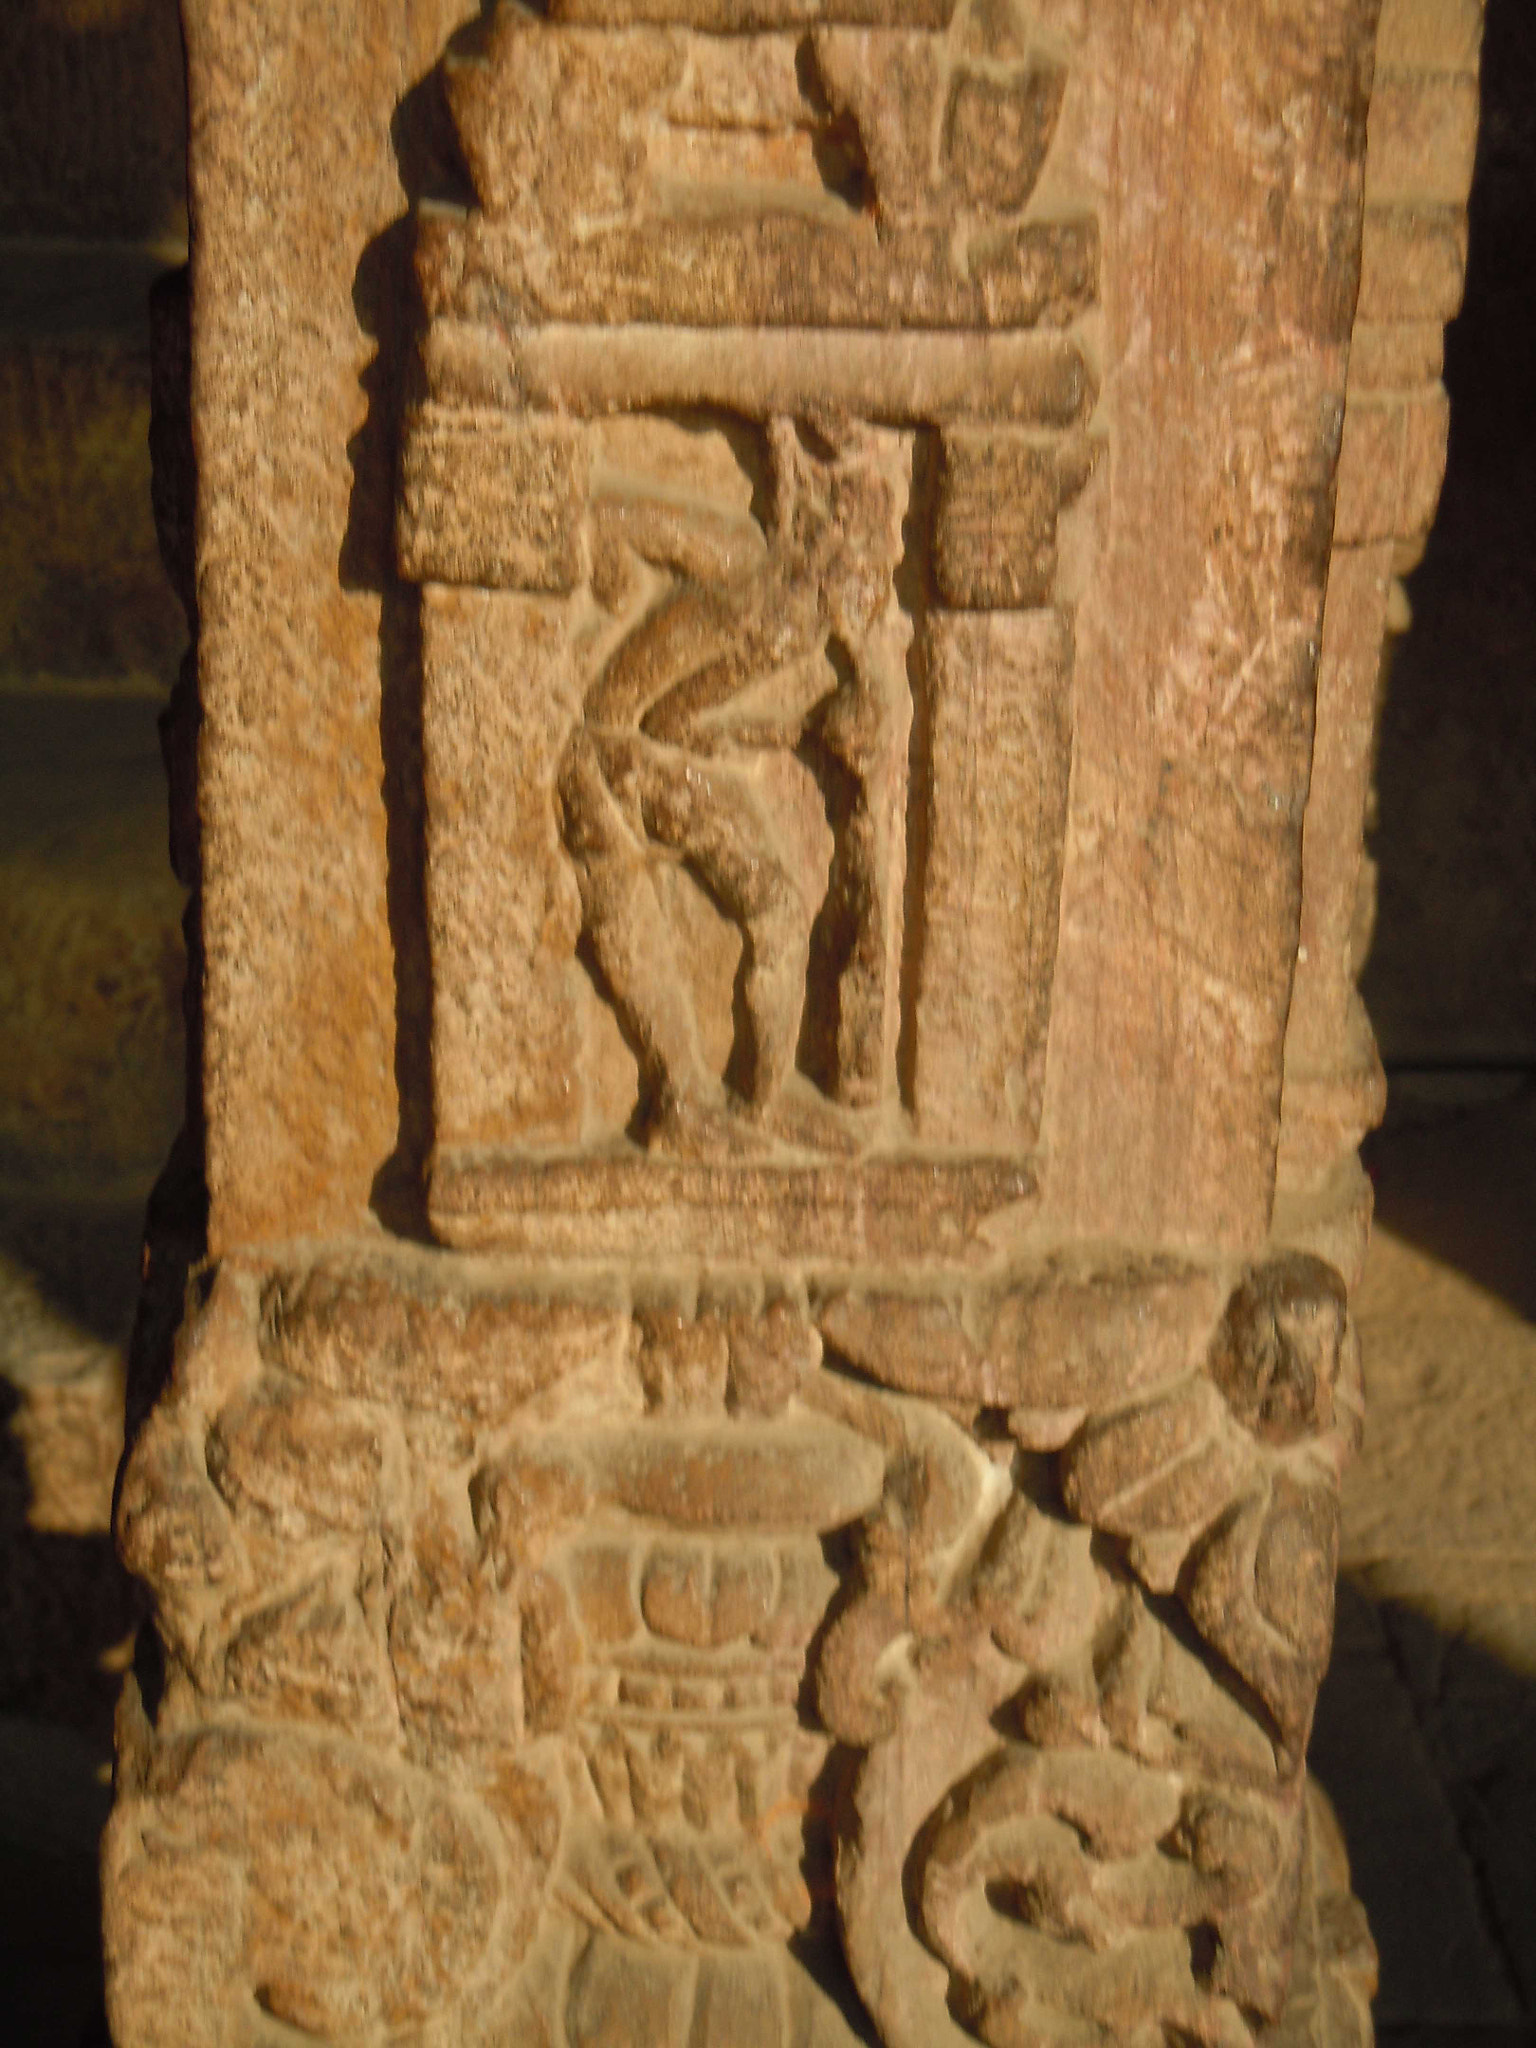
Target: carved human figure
(665,759)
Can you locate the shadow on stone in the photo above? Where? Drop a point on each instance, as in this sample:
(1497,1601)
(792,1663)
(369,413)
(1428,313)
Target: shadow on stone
(385,299)
(1426,1744)
(1457,1178)
(68,1612)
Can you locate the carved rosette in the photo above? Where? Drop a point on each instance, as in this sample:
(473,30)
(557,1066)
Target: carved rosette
(835,1538)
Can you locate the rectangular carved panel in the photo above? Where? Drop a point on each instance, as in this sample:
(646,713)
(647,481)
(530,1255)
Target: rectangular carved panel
(758,349)
(1419,156)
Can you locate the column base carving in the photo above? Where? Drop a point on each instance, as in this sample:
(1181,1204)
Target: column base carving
(568,1660)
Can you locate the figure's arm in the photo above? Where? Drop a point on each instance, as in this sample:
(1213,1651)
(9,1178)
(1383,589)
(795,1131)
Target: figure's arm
(693,539)
(679,717)
(718,644)
(688,634)
(780,703)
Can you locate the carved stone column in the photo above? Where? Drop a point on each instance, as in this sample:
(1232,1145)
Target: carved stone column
(752,1457)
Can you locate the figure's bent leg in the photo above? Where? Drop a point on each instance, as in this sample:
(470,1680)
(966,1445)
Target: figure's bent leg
(711,815)
(627,927)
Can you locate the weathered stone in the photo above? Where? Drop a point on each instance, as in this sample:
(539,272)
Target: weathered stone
(298,1462)
(1430,35)
(995,529)
(364,1331)
(352,1894)
(770,1355)
(707,1599)
(1413,262)
(302,870)
(1396,356)
(1333,1081)
(999,744)
(1284,1351)
(172,1529)
(69,1418)
(527,492)
(71,1434)
(1422,130)
(889,81)
(996,135)
(602,1579)
(1059,1342)
(507,1024)
(314,1658)
(1022,379)
(787,598)
(454,1646)
(1127,925)
(1428,427)
(779,1475)
(734,15)
(1370,492)
(603,1206)
(1156,1468)
(1423,137)
(790,273)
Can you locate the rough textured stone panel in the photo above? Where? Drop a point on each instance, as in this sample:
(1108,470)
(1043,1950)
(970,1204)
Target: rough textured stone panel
(1414,262)
(527,493)
(999,750)
(1423,137)
(1333,1080)
(1155,1059)
(304,650)
(503,907)
(1430,35)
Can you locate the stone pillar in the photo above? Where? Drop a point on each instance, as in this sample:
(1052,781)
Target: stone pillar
(752,1457)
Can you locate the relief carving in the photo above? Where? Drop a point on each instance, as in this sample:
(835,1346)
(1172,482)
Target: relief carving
(736,1654)
(830,1536)
(721,357)
(1144,1617)
(767,644)
(589,1617)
